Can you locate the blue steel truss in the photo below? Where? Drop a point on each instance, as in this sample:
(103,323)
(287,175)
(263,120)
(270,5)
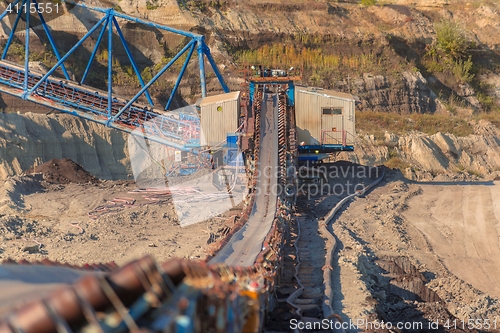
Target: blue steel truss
(84,101)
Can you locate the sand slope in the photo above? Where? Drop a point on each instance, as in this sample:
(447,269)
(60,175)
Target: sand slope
(29,139)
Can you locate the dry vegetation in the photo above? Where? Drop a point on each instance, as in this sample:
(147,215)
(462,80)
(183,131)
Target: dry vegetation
(377,123)
(323,60)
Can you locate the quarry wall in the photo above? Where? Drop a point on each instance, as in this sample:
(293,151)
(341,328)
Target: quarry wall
(31,139)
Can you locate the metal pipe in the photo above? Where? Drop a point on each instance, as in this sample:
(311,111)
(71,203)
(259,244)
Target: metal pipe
(12,32)
(131,58)
(94,52)
(2,16)
(206,50)
(201,60)
(27,46)
(51,40)
(110,63)
(167,66)
(177,83)
(84,38)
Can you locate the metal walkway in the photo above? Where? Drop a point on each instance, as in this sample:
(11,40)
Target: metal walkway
(69,96)
(246,244)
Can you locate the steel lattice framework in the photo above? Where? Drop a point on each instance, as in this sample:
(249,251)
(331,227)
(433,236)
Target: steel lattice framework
(76,98)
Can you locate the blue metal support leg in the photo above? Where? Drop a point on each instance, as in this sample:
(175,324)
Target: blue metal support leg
(27,46)
(201,60)
(51,40)
(132,61)
(160,73)
(52,70)
(206,50)
(12,5)
(94,52)
(174,90)
(110,64)
(12,32)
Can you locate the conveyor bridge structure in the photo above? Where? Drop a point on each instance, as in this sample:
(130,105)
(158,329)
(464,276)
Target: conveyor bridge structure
(57,90)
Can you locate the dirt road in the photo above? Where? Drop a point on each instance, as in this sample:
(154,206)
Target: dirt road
(419,253)
(462,225)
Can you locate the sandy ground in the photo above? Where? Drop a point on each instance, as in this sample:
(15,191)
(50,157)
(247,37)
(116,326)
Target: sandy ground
(462,224)
(40,220)
(407,252)
(419,253)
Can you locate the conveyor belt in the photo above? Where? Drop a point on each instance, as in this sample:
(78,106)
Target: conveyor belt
(246,244)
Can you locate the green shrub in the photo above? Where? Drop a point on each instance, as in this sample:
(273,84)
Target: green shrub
(368,2)
(451,39)
(487,101)
(462,70)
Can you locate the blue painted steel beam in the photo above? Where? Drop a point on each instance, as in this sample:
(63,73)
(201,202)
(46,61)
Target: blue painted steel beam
(7,12)
(313,157)
(201,60)
(51,40)
(94,52)
(132,61)
(206,50)
(160,73)
(27,46)
(12,32)
(52,70)
(181,74)
(110,63)
(199,39)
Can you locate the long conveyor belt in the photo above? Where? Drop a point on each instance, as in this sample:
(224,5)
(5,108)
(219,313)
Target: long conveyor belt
(244,247)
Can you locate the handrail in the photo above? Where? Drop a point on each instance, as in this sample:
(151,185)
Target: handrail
(343,140)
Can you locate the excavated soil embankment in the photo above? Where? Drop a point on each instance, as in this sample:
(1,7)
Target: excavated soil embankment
(29,140)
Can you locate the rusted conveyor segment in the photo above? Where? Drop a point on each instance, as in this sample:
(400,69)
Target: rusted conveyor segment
(245,245)
(141,296)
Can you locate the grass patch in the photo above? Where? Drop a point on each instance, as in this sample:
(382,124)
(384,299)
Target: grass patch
(376,123)
(283,56)
(368,2)
(152,5)
(396,163)
(493,117)
(324,61)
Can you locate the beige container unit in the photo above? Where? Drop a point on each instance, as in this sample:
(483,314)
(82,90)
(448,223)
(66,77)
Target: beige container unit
(219,116)
(324,116)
